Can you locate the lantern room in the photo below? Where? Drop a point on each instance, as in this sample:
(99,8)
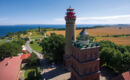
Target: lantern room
(70,14)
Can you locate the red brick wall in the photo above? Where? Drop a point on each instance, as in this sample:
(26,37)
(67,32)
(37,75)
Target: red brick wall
(85,54)
(83,67)
(75,76)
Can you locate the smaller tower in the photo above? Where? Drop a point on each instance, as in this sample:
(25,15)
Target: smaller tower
(85,58)
(39,29)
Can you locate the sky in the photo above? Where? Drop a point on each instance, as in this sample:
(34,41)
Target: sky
(13,12)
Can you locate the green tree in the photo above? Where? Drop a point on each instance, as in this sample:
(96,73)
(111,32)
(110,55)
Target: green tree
(33,60)
(115,56)
(53,47)
(126,62)
(20,41)
(9,49)
(115,62)
(122,48)
(106,55)
(104,43)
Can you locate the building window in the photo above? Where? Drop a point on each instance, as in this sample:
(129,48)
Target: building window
(95,69)
(90,70)
(88,56)
(84,71)
(92,55)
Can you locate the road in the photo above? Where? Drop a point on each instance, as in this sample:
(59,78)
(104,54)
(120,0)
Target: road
(29,49)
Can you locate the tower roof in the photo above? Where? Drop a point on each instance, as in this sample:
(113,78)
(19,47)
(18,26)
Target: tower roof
(70,8)
(83,32)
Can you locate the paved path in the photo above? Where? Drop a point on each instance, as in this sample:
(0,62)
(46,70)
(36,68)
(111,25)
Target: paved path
(29,49)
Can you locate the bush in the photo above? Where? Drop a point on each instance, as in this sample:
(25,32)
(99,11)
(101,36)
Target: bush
(26,39)
(115,56)
(32,74)
(20,41)
(53,47)
(33,60)
(31,42)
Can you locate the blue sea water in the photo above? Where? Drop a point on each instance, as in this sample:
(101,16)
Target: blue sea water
(15,28)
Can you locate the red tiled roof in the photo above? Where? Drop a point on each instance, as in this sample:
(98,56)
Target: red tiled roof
(123,76)
(126,75)
(25,56)
(9,68)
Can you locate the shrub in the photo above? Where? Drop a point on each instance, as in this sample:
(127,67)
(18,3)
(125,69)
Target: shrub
(31,42)
(53,47)
(32,74)
(33,60)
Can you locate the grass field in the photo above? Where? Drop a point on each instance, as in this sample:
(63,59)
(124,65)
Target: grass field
(104,31)
(98,31)
(117,40)
(36,37)
(35,46)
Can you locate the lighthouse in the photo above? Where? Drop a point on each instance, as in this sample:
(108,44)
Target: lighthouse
(82,55)
(70,36)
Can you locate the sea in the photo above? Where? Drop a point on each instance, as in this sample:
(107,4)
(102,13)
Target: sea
(5,29)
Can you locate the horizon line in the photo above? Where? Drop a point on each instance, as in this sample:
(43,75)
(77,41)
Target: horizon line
(61,24)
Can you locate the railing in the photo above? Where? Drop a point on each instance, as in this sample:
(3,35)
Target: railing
(89,45)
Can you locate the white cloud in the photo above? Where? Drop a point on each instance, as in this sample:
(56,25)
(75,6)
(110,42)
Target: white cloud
(120,19)
(105,18)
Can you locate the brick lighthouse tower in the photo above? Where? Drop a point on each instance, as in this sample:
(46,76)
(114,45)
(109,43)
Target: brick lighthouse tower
(70,34)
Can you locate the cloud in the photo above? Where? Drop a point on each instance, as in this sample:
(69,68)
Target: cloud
(120,19)
(105,18)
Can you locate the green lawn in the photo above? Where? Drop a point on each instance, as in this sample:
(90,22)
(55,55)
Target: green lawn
(32,74)
(36,37)
(27,71)
(1,41)
(35,46)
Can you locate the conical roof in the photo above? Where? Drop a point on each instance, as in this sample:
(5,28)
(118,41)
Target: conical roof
(83,32)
